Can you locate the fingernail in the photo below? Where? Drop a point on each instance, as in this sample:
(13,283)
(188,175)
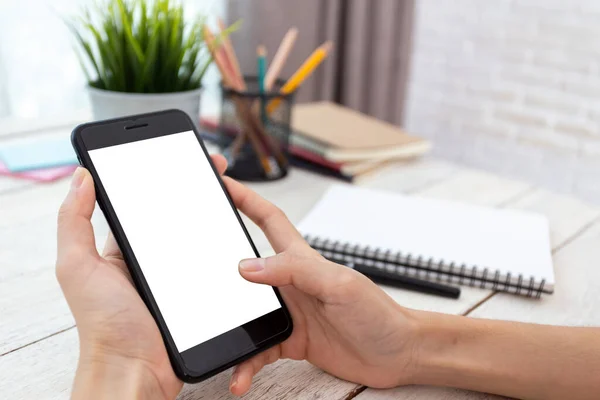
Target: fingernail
(77,179)
(234,379)
(252,264)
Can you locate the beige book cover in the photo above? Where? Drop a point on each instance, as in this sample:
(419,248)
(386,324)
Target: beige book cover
(350,135)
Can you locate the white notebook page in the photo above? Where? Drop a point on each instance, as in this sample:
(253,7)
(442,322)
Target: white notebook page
(509,241)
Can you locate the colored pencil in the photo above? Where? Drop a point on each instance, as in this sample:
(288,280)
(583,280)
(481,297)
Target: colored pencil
(231,56)
(254,128)
(231,64)
(283,51)
(305,70)
(264,137)
(261,67)
(230,80)
(237,144)
(261,64)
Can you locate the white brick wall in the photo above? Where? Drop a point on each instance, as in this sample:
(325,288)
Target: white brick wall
(512,86)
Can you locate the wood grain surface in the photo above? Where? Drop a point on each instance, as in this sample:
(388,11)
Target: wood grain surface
(38,341)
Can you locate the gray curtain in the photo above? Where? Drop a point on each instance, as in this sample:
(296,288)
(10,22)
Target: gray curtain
(368,67)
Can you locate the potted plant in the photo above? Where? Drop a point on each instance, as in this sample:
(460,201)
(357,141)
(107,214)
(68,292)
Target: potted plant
(141,56)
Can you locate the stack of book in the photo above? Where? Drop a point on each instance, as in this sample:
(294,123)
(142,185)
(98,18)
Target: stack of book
(337,141)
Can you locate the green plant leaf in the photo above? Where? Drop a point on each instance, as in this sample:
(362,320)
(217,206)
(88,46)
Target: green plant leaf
(228,31)
(144,46)
(177,16)
(115,48)
(109,60)
(151,52)
(204,67)
(143,27)
(86,47)
(127,20)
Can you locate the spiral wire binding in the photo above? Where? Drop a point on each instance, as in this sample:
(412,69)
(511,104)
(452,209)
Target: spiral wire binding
(429,269)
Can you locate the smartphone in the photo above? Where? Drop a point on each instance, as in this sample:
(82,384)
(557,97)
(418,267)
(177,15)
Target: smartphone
(182,239)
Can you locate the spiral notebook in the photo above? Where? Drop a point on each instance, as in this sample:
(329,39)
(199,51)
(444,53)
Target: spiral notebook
(500,249)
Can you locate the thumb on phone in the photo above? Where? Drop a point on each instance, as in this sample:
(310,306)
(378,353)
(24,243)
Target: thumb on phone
(310,274)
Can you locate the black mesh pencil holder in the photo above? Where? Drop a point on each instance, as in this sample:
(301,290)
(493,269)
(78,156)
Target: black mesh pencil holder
(257,127)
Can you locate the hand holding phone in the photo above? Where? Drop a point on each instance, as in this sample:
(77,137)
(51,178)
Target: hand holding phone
(340,317)
(122,353)
(181,238)
(343,322)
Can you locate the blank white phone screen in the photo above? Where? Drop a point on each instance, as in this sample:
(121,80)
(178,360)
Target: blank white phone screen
(184,235)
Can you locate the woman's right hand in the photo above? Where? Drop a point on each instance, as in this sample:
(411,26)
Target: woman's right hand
(343,322)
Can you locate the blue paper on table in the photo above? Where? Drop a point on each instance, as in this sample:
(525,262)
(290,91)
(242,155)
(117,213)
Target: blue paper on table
(38,155)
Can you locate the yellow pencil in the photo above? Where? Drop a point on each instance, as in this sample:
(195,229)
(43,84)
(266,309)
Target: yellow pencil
(301,74)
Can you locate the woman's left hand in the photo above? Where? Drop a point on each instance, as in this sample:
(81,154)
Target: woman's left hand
(122,354)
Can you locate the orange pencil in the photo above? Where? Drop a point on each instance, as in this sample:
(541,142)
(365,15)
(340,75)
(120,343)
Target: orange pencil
(237,144)
(230,52)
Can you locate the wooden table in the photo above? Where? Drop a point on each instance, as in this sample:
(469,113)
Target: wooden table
(38,339)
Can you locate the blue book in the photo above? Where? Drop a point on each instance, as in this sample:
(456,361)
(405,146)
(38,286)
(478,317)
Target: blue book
(41,154)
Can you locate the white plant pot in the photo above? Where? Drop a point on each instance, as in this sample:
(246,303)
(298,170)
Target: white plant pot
(107,104)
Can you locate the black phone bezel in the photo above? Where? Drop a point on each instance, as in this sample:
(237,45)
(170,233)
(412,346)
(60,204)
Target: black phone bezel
(228,349)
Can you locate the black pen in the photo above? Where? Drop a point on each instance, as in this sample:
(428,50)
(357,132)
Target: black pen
(384,277)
